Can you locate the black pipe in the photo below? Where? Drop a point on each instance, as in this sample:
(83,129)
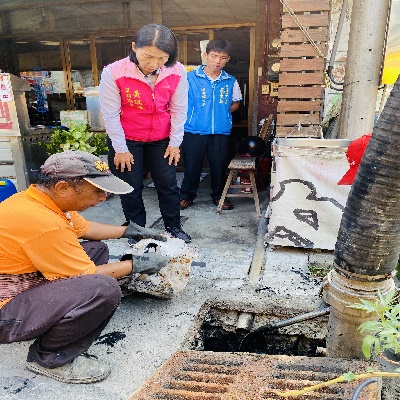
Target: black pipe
(361,387)
(285,322)
(368,241)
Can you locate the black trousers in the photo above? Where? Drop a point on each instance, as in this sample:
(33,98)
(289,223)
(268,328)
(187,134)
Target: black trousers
(149,156)
(194,149)
(65,316)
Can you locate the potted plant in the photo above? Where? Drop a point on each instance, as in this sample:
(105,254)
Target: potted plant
(77,137)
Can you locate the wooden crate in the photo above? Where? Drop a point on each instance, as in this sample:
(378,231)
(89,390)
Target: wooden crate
(302,69)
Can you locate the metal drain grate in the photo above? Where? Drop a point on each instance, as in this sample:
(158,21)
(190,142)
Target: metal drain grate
(192,375)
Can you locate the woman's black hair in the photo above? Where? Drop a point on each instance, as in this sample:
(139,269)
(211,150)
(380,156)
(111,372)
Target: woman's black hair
(159,36)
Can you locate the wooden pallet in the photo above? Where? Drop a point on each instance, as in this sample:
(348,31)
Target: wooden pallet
(301,78)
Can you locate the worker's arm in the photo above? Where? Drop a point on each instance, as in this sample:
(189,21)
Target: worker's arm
(99,231)
(116,270)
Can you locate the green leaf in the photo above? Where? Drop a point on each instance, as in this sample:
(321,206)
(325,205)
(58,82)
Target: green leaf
(368,343)
(349,376)
(78,137)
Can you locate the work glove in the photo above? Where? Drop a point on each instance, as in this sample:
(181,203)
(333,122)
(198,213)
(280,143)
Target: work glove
(149,263)
(139,232)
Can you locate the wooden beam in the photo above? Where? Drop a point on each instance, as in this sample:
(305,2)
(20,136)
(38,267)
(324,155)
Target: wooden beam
(189,28)
(185,50)
(85,33)
(126,14)
(51,23)
(251,78)
(311,64)
(305,131)
(14,5)
(294,119)
(66,63)
(298,36)
(93,57)
(292,92)
(300,78)
(307,20)
(308,5)
(300,50)
(290,105)
(5,23)
(157,11)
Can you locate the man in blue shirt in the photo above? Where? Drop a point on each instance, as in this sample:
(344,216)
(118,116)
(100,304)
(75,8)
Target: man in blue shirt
(213,96)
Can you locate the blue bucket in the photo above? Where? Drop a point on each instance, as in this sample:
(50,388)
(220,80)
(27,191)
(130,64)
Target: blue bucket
(7,188)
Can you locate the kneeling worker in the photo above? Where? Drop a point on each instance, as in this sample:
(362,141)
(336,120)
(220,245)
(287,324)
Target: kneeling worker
(54,288)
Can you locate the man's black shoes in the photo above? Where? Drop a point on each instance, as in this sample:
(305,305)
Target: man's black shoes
(177,232)
(226,205)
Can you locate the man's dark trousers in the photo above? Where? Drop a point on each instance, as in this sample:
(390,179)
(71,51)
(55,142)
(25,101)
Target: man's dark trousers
(194,149)
(65,316)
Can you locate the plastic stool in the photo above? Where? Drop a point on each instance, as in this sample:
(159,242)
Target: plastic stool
(7,188)
(241,163)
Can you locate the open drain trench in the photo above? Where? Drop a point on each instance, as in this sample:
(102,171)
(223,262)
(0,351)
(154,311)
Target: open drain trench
(238,363)
(227,373)
(192,375)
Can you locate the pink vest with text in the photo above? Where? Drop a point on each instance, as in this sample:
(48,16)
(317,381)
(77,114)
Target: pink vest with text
(145,115)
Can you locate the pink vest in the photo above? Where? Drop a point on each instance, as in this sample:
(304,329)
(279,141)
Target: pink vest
(145,115)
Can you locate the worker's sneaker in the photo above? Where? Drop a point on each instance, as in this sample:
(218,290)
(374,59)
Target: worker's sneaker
(82,369)
(177,232)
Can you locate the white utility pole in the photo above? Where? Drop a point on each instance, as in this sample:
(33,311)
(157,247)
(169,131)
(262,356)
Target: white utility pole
(368,29)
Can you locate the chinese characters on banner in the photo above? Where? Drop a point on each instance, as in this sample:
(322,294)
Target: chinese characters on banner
(5,88)
(6,96)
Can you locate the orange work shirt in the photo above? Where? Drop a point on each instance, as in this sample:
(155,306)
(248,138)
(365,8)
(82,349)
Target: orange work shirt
(36,235)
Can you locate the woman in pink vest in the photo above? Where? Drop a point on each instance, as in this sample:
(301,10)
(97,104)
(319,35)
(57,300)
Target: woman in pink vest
(143,99)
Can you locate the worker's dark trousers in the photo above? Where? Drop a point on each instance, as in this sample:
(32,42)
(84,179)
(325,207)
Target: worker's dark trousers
(65,316)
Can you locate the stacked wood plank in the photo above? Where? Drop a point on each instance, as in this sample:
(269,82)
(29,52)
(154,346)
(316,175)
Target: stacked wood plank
(301,78)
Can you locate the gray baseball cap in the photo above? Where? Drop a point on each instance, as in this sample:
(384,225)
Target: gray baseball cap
(76,164)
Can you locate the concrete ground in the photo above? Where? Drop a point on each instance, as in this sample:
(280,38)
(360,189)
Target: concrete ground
(145,331)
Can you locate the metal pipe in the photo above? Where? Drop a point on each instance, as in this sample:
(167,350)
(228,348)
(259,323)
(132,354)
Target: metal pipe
(336,43)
